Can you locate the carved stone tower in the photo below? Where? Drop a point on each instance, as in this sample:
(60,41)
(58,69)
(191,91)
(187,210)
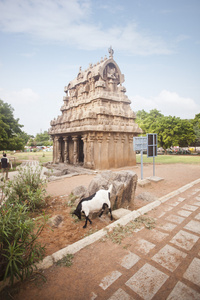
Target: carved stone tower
(97,125)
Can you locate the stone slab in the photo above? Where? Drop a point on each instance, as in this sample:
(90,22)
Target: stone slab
(175,219)
(157,235)
(193,226)
(155,178)
(144,246)
(198,217)
(192,273)
(169,257)
(143,182)
(120,295)
(181,199)
(184,240)
(129,260)
(190,207)
(167,226)
(108,280)
(183,292)
(147,281)
(119,213)
(184,213)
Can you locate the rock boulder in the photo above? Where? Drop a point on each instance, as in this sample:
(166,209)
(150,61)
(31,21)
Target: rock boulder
(124,186)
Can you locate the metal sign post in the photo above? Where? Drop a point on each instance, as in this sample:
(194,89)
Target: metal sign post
(149,143)
(152,148)
(140,144)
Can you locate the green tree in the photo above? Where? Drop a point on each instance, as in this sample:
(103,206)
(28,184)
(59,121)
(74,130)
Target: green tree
(11,135)
(43,139)
(196,125)
(31,142)
(147,120)
(186,133)
(171,131)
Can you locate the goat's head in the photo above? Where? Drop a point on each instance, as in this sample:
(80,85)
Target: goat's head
(77,212)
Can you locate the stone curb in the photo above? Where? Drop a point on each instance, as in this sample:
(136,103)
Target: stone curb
(48,261)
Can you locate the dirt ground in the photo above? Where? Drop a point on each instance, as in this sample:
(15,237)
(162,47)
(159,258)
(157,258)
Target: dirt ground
(70,231)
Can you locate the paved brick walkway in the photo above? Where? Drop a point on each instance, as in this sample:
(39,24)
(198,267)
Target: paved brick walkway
(153,270)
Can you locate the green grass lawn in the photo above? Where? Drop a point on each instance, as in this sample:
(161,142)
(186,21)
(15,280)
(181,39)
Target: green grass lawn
(170,159)
(41,156)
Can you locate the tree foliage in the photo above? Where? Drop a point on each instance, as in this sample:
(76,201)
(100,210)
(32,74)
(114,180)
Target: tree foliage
(196,126)
(11,135)
(171,131)
(41,139)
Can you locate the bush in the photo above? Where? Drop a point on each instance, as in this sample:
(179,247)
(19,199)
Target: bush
(27,188)
(19,248)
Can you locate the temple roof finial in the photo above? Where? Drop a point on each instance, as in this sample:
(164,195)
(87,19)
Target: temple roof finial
(110,51)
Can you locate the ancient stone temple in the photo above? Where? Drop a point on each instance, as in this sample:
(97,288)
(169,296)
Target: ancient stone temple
(97,126)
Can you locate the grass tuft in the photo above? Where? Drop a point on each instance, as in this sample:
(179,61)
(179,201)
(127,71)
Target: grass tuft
(66,261)
(120,232)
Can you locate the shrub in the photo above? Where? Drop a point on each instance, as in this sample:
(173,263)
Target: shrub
(27,187)
(19,249)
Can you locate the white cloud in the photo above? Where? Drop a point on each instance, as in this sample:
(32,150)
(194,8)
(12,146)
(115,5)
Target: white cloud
(27,107)
(168,103)
(70,21)
(22,97)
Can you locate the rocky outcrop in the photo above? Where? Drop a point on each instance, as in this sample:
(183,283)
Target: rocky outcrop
(124,186)
(80,191)
(55,220)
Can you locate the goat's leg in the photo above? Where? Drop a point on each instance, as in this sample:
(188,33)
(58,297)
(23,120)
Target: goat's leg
(111,217)
(103,209)
(87,219)
(101,213)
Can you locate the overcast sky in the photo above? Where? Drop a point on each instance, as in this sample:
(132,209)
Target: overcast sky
(44,42)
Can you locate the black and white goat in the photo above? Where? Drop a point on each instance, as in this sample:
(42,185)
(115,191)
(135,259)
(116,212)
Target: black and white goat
(96,202)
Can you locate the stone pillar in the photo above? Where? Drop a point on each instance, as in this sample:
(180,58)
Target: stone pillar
(54,149)
(59,150)
(131,158)
(75,139)
(66,152)
(116,139)
(56,160)
(91,153)
(123,150)
(100,139)
(107,148)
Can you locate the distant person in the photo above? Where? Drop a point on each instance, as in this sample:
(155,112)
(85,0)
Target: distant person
(4,165)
